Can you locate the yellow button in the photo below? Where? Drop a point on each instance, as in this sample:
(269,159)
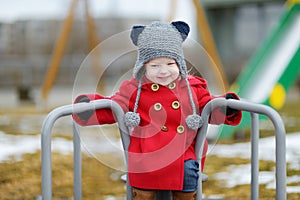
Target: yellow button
(180,129)
(157,106)
(154,87)
(172,85)
(164,128)
(175,104)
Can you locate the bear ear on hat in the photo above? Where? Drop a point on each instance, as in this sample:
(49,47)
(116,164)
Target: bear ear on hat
(183,28)
(135,32)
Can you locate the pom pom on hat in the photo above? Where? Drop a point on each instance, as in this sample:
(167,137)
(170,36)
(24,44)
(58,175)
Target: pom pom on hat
(132,119)
(194,121)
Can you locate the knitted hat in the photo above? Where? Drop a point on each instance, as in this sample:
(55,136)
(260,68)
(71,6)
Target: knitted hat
(160,40)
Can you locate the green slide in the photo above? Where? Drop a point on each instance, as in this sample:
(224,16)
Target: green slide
(272,70)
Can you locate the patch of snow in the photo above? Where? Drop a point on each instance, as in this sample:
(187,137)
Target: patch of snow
(266,150)
(241,174)
(293,189)
(14,146)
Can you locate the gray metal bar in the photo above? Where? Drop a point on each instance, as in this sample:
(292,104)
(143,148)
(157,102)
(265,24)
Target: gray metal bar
(47,132)
(280,137)
(117,110)
(252,108)
(254,156)
(199,149)
(125,142)
(77,163)
(46,149)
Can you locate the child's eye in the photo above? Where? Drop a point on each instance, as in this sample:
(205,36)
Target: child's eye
(154,66)
(171,63)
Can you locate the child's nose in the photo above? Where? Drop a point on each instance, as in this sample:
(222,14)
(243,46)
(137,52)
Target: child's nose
(163,69)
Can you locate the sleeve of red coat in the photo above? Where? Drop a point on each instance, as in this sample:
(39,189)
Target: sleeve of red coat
(217,116)
(125,97)
(101,116)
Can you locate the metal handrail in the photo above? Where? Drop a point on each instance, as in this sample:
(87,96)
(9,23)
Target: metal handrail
(253,108)
(46,141)
(280,137)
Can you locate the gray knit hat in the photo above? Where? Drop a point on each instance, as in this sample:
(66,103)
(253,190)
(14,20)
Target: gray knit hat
(160,40)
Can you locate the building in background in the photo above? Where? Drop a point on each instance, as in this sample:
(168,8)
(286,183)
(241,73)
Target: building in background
(26,46)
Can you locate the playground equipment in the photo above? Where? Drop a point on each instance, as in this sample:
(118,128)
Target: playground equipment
(273,69)
(209,45)
(266,79)
(61,44)
(253,108)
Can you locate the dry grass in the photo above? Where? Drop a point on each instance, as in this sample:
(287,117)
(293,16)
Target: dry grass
(216,164)
(22,179)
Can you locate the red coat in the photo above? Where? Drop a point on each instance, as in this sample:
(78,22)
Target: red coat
(162,141)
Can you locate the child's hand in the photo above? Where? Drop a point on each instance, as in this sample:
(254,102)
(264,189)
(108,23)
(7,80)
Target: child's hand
(229,110)
(86,114)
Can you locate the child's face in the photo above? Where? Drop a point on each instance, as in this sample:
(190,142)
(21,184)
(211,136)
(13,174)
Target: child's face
(162,70)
